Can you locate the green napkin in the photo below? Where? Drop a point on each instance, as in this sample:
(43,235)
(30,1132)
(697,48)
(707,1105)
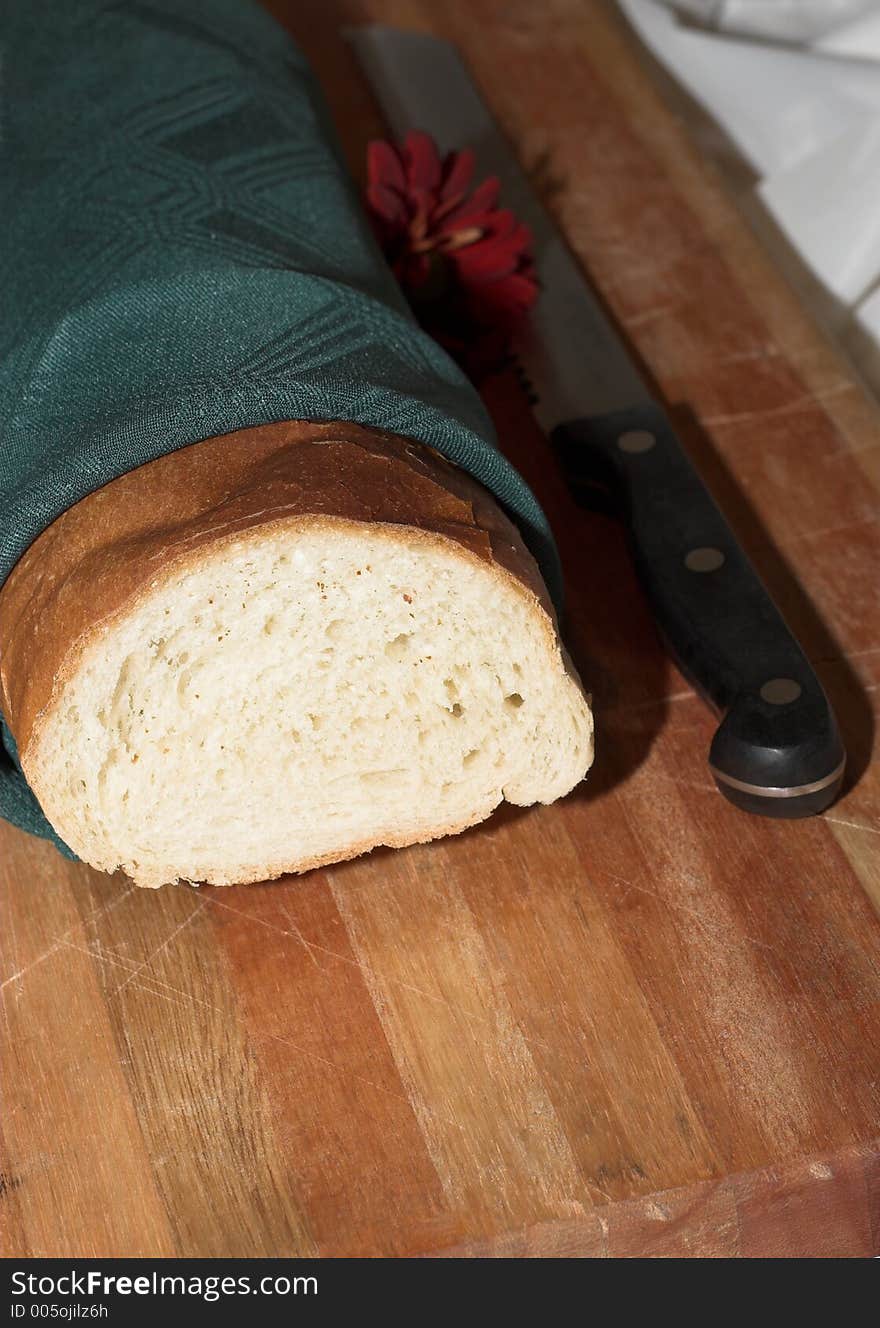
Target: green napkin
(182,254)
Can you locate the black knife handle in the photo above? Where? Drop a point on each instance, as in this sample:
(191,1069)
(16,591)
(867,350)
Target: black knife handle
(777,750)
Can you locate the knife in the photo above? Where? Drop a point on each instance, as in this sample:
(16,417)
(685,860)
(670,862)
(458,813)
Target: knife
(777,750)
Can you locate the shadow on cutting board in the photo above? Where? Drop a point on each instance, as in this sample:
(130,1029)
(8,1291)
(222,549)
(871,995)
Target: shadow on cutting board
(608,628)
(845,691)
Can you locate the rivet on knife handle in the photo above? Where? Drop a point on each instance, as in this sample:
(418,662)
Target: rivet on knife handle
(777,750)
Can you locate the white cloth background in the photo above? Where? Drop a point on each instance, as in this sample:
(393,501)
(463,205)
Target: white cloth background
(795,87)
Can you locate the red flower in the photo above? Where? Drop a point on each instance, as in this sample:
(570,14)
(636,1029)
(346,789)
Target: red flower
(465,264)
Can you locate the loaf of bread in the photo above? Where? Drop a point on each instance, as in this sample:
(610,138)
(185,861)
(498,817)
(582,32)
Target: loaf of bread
(279,649)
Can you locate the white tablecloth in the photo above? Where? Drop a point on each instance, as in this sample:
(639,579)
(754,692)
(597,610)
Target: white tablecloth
(794,86)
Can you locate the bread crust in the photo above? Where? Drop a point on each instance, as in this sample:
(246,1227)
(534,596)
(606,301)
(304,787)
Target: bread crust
(102,555)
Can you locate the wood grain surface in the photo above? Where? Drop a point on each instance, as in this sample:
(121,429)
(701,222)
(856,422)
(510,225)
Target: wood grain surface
(638,1022)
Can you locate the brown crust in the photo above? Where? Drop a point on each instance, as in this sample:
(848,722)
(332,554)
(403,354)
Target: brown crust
(99,557)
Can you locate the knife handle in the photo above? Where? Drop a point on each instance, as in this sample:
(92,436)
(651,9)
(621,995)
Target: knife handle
(777,750)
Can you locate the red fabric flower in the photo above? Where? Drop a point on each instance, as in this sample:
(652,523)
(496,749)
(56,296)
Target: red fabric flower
(465,264)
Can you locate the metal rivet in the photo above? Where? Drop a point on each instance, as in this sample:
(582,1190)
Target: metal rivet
(780,691)
(636,440)
(704,560)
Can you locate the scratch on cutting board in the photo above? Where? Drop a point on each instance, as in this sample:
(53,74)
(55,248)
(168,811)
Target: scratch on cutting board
(56,945)
(805,402)
(295,931)
(47,954)
(368,974)
(149,984)
(853,654)
(649,315)
(761,353)
(159,948)
(698,917)
(821,1171)
(839,529)
(680,783)
(853,825)
(648,705)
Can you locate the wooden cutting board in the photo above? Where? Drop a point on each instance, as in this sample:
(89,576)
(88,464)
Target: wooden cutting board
(637,1022)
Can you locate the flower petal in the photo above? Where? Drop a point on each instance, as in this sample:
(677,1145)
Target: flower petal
(386,185)
(494,256)
(482,200)
(387,206)
(502,223)
(384,165)
(422,161)
(458,170)
(514,294)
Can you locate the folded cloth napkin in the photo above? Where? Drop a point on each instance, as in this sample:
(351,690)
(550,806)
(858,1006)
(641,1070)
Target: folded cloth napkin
(182,255)
(793,86)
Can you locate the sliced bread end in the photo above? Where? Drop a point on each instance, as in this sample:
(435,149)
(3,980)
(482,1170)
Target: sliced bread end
(302,694)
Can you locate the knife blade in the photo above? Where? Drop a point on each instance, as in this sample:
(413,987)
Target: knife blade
(777,750)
